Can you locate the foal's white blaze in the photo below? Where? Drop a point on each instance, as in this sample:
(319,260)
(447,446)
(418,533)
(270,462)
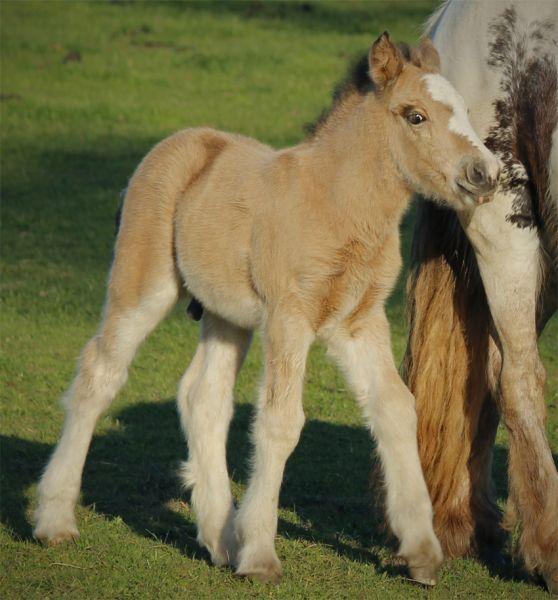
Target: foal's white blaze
(442,91)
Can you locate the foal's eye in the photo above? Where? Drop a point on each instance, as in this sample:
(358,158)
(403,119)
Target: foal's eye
(415,118)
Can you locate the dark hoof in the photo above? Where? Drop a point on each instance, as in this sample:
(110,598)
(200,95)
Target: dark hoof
(551,580)
(493,557)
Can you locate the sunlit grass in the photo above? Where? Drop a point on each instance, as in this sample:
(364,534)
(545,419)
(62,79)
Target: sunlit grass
(87,88)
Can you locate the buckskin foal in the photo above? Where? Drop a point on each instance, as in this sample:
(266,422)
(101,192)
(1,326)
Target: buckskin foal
(304,243)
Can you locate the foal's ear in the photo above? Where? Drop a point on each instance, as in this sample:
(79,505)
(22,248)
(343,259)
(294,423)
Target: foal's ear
(428,55)
(385,61)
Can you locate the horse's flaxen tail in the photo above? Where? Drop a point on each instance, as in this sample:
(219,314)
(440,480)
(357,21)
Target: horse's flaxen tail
(445,367)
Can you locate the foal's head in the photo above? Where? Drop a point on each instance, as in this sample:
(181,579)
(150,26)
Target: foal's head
(430,136)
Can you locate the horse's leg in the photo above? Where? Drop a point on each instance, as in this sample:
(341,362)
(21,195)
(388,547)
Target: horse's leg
(509,263)
(205,403)
(101,373)
(276,432)
(143,287)
(489,534)
(363,351)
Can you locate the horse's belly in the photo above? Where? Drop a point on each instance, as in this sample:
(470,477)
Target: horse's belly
(213,256)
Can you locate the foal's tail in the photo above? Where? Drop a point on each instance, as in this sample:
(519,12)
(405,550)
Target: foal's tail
(145,223)
(445,367)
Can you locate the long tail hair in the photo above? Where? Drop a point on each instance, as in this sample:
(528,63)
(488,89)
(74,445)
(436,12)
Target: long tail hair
(445,367)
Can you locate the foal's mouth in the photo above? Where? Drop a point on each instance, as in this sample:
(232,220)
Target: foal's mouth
(472,194)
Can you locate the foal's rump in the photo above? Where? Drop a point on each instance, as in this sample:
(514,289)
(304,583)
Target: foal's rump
(214,226)
(187,216)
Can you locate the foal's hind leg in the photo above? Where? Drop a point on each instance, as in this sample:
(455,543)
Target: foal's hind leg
(205,403)
(363,352)
(143,287)
(102,372)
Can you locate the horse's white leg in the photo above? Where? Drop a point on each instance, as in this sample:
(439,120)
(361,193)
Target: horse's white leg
(102,371)
(363,351)
(205,404)
(276,432)
(509,263)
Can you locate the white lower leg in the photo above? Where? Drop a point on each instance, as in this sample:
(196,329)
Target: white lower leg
(389,408)
(95,386)
(276,432)
(205,402)
(275,436)
(409,509)
(102,372)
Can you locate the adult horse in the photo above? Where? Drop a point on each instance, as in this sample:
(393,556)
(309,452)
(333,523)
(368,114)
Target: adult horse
(303,242)
(483,286)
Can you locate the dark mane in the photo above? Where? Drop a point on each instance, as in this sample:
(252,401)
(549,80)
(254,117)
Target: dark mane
(356,81)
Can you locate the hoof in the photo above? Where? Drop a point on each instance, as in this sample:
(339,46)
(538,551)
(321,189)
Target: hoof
(263,574)
(221,558)
(551,580)
(54,536)
(224,554)
(425,562)
(55,526)
(264,570)
(427,575)
(494,557)
(221,545)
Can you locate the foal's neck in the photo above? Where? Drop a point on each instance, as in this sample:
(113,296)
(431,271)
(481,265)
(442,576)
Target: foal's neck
(354,165)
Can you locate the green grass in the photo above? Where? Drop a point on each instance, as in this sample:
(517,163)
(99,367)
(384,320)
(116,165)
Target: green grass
(72,133)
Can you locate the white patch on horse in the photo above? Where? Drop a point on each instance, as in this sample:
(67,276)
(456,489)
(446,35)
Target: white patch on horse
(442,91)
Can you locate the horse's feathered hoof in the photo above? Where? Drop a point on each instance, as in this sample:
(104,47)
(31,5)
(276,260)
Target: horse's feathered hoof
(551,579)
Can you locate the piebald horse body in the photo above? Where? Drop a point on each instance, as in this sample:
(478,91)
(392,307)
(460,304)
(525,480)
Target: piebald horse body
(303,243)
(483,286)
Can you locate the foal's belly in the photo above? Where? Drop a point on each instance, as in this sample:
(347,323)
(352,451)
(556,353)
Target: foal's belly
(213,256)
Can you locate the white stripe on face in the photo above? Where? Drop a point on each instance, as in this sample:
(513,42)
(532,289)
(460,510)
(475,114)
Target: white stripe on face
(442,91)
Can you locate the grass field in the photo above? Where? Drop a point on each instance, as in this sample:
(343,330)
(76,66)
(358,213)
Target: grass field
(86,90)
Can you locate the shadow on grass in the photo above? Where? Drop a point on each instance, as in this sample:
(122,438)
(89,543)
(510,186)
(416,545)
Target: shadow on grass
(131,474)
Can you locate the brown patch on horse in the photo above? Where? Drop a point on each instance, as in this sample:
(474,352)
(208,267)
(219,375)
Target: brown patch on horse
(526,117)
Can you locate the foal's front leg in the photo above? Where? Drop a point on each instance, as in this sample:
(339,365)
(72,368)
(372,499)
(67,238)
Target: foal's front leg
(363,351)
(276,432)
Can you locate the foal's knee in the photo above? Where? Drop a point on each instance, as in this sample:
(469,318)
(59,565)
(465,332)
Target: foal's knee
(99,377)
(280,426)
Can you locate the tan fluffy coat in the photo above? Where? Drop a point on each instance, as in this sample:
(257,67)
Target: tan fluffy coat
(303,242)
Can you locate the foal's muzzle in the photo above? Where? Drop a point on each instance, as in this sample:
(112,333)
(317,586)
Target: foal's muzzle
(478,177)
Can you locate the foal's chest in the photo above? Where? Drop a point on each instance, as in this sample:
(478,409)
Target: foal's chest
(360,274)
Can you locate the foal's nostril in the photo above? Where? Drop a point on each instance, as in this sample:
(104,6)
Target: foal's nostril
(477,174)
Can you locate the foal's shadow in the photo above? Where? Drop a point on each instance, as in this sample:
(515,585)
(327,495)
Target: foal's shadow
(131,474)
